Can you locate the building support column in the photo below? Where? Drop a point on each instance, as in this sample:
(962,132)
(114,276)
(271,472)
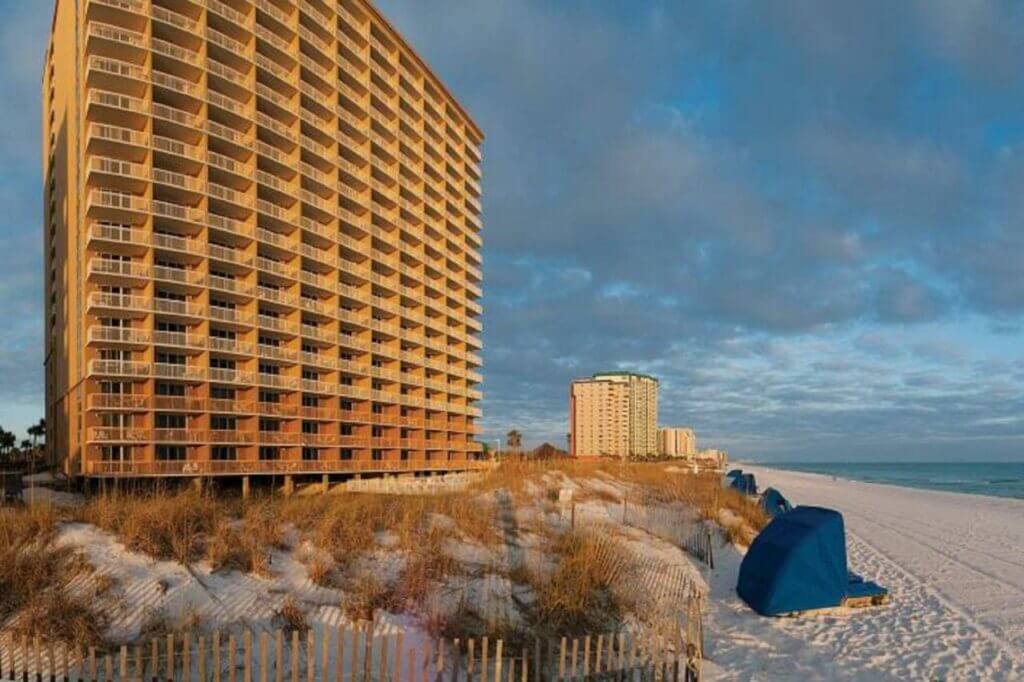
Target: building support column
(326,484)
(245,487)
(289,485)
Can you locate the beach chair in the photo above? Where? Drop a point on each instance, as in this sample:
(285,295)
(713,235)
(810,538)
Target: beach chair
(12,486)
(797,566)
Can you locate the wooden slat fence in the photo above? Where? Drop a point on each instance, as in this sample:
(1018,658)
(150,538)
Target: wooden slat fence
(363,653)
(671,524)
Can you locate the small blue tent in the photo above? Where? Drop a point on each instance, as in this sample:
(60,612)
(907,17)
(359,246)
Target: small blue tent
(745,483)
(733,473)
(798,563)
(774,503)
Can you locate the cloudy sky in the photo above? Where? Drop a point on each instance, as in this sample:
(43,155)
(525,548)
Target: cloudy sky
(805,217)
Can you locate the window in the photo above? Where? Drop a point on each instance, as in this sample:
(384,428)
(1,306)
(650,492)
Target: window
(164,388)
(378,432)
(223,453)
(220,422)
(346,454)
(347,430)
(378,455)
(310,454)
(310,427)
(222,393)
(170,421)
(405,455)
(272,425)
(269,454)
(170,453)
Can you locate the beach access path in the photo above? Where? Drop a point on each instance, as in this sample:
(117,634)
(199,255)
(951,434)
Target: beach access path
(955,567)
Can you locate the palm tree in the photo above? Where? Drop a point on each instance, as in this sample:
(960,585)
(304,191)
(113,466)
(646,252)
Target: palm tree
(36,431)
(26,446)
(513,439)
(7,442)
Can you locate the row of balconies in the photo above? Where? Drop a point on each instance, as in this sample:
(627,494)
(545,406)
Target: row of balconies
(136,39)
(237,257)
(152,403)
(140,337)
(195,152)
(289,215)
(102,434)
(134,369)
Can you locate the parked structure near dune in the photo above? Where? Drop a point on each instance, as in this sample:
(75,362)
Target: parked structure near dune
(262,242)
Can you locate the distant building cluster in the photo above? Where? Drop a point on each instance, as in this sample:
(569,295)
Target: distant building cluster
(616,415)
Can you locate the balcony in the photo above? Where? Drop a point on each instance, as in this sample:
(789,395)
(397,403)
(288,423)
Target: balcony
(119,335)
(119,368)
(178,148)
(179,85)
(178,275)
(230,315)
(111,199)
(167,209)
(178,52)
(107,32)
(174,19)
(103,268)
(231,255)
(228,12)
(219,39)
(165,370)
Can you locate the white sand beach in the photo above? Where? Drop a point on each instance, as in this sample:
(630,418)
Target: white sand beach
(953,563)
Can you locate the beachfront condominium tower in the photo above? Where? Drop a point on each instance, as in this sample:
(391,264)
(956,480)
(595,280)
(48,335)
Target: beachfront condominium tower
(262,239)
(677,442)
(614,414)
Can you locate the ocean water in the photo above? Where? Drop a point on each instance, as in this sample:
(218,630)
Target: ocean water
(1001,479)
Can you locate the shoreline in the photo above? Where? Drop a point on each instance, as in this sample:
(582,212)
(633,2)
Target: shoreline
(845,478)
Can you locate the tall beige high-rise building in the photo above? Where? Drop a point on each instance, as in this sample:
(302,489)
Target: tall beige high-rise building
(677,442)
(262,236)
(614,414)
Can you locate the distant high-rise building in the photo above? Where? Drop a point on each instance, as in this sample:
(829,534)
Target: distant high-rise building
(614,414)
(262,241)
(677,442)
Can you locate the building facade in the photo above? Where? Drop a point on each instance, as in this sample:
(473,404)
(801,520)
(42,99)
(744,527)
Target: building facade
(677,442)
(262,243)
(614,414)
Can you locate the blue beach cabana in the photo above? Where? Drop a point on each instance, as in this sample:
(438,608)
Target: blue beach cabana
(733,473)
(798,563)
(745,483)
(774,503)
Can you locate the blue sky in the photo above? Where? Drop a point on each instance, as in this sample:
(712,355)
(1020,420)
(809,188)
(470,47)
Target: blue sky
(805,217)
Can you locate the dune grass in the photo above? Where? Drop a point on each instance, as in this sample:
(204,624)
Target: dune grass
(36,579)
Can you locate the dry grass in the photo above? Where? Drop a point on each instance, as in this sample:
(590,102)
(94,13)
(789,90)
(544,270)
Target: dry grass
(580,596)
(366,595)
(165,526)
(292,617)
(35,578)
(245,545)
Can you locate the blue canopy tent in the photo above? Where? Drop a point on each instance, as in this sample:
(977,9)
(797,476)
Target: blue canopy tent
(774,503)
(745,483)
(733,473)
(798,563)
